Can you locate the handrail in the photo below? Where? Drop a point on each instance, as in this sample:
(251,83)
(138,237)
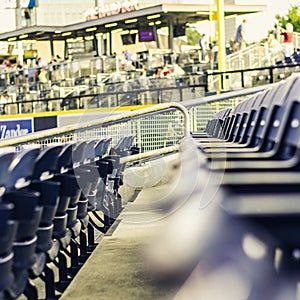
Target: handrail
(282,66)
(226,95)
(237,54)
(245,58)
(103,121)
(242,72)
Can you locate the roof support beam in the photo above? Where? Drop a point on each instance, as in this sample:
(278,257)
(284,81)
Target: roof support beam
(51,44)
(221,37)
(171,34)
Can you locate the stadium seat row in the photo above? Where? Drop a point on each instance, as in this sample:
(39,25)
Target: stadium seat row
(251,155)
(52,202)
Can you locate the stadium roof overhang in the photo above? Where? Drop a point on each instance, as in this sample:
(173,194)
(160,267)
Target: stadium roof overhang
(160,15)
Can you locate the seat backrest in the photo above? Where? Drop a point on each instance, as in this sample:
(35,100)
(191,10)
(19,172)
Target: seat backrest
(130,141)
(213,125)
(78,153)
(236,116)
(21,169)
(5,161)
(101,147)
(218,121)
(285,129)
(249,116)
(241,118)
(107,145)
(124,143)
(8,228)
(46,162)
(228,122)
(254,114)
(120,143)
(64,162)
(273,134)
(290,143)
(263,118)
(89,152)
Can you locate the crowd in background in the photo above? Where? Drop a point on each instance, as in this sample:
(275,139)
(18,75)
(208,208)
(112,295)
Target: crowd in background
(30,71)
(272,45)
(38,71)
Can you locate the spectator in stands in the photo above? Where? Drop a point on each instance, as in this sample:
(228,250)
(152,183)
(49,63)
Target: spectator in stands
(203,47)
(234,47)
(41,63)
(7,70)
(287,39)
(215,55)
(127,55)
(240,35)
(18,72)
(210,49)
(165,71)
(272,43)
(144,80)
(3,98)
(144,85)
(158,72)
(52,67)
(128,66)
(25,71)
(272,48)
(60,68)
(4,64)
(13,74)
(43,76)
(31,73)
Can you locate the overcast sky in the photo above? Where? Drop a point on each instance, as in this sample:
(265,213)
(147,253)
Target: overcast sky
(259,24)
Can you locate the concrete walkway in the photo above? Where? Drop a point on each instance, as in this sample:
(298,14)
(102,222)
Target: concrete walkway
(115,270)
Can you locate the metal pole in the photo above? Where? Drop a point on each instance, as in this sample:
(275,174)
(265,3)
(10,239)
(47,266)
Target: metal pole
(51,44)
(18,14)
(171,34)
(221,36)
(109,51)
(156,37)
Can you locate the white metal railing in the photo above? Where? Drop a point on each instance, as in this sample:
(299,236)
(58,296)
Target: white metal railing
(155,128)
(254,56)
(296,40)
(202,110)
(249,57)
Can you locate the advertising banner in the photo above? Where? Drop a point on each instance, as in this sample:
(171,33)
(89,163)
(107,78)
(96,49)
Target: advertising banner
(16,127)
(13,4)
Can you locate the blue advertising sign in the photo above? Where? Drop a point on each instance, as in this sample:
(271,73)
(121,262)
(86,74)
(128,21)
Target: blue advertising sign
(13,128)
(31,4)
(13,4)
(27,3)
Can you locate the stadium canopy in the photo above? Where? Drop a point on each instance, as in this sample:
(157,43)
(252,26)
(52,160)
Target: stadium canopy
(158,16)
